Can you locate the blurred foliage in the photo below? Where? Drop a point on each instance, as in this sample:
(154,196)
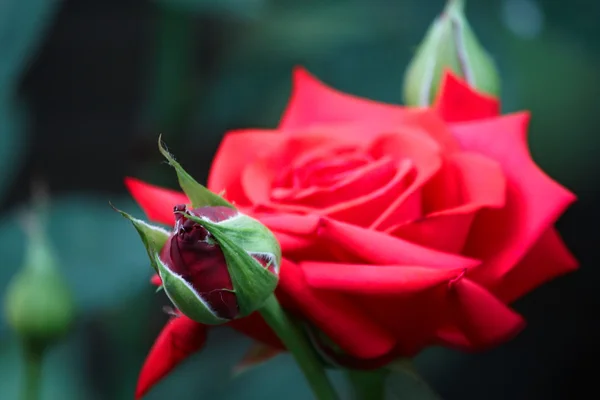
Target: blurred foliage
(86,86)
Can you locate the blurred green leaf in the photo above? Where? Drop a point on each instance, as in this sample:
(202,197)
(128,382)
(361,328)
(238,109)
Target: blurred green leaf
(98,252)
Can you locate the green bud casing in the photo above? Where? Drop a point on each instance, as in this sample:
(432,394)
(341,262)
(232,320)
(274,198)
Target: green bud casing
(450,43)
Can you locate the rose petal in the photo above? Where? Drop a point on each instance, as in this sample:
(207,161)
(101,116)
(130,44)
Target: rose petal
(178,339)
(155,201)
(365,208)
(237,149)
(429,123)
(534,201)
(155,280)
(457,101)
(257,177)
(363,180)
(374,279)
(255,327)
(547,259)
(424,153)
(480,320)
(364,246)
(344,322)
(446,233)
(312,102)
(467,183)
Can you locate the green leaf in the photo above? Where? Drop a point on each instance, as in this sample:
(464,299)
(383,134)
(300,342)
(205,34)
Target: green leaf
(252,283)
(198,194)
(184,297)
(153,237)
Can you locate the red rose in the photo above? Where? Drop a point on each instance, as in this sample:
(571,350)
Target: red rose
(400,227)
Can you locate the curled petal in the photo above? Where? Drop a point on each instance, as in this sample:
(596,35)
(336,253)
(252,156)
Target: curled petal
(479,320)
(548,259)
(179,338)
(534,201)
(379,248)
(377,280)
(313,102)
(468,183)
(156,202)
(237,149)
(344,322)
(457,101)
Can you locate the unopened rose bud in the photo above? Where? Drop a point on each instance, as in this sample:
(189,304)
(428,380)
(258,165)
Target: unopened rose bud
(218,264)
(38,303)
(449,44)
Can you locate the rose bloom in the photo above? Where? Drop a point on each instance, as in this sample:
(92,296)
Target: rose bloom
(400,227)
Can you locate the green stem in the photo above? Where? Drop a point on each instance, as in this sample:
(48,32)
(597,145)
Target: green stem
(32,359)
(296,342)
(367,385)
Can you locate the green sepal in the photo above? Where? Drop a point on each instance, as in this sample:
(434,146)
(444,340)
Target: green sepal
(449,43)
(184,297)
(153,237)
(198,194)
(239,237)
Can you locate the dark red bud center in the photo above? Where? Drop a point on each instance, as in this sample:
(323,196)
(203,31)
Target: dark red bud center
(192,252)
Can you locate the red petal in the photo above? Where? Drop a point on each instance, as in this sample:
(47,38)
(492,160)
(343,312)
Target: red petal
(178,339)
(502,237)
(257,177)
(467,183)
(424,153)
(344,322)
(457,101)
(155,280)
(548,259)
(372,247)
(368,201)
(481,321)
(156,202)
(236,150)
(375,279)
(255,327)
(312,102)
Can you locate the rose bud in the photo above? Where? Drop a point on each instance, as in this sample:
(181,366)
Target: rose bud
(207,275)
(449,44)
(38,303)
(218,264)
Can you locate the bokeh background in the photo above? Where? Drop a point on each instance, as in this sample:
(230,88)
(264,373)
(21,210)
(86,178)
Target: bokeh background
(86,86)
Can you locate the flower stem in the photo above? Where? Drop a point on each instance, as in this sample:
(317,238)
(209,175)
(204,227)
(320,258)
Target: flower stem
(32,359)
(367,385)
(295,341)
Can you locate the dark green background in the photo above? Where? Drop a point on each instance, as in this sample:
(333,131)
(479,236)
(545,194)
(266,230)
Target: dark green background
(86,87)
